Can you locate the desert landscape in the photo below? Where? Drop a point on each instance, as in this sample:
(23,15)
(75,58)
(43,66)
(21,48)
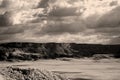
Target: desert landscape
(74,69)
(59,39)
(66,59)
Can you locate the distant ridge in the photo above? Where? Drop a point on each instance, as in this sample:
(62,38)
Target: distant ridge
(34,51)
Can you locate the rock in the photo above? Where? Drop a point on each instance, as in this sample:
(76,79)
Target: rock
(13,73)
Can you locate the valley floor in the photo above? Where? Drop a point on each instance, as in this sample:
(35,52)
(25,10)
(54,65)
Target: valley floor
(75,69)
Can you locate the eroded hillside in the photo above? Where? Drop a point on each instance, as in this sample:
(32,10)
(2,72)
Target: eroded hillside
(34,51)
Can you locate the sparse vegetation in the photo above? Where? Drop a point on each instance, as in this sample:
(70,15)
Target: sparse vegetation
(102,56)
(35,51)
(12,73)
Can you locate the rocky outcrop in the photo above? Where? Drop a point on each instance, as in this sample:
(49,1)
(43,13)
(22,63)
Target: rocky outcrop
(34,51)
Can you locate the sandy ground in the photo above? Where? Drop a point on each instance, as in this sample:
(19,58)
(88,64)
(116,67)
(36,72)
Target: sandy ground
(76,69)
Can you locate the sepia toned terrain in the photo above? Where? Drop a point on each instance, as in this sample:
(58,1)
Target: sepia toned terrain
(74,69)
(71,61)
(59,39)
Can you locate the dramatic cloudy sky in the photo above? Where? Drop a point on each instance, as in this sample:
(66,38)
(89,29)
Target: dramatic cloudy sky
(80,21)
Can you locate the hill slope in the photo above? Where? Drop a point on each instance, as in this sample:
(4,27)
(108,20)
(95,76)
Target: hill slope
(29,51)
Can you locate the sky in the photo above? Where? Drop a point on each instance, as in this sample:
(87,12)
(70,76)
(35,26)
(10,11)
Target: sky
(61,21)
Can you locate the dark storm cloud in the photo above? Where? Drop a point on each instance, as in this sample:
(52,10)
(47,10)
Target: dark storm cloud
(110,19)
(62,23)
(3,20)
(109,25)
(62,12)
(43,4)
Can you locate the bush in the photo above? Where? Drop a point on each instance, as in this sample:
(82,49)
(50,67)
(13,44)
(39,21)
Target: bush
(11,73)
(102,56)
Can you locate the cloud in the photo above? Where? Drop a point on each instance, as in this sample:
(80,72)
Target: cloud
(8,33)
(4,3)
(19,4)
(62,8)
(60,21)
(61,27)
(5,37)
(113,3)
(4,20)
(11,30)
(115,40)
(62,12)
(109,31)
(109,24)
(110,19)
(21,17)
(14,12)
(43,4)
(66,38)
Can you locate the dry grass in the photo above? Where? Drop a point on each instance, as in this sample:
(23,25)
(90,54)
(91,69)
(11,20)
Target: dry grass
(13,73)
